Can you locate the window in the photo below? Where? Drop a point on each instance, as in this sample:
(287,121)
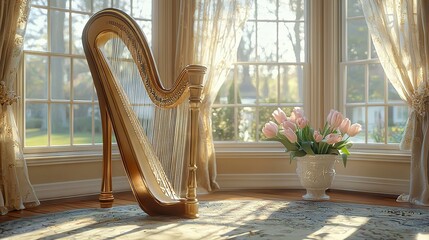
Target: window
(272,70)
(368,97)
(269,72)
(61,108)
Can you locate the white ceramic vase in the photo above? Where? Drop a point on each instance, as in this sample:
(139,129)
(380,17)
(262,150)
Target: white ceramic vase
(316,173)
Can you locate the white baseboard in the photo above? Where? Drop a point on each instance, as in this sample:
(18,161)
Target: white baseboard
(291,181)
(229,182)
(77,188)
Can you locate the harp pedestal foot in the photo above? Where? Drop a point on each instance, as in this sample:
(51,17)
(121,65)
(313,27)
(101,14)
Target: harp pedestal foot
(106,199)
(191,210)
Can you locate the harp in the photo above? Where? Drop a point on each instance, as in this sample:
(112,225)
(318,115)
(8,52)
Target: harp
(136,104)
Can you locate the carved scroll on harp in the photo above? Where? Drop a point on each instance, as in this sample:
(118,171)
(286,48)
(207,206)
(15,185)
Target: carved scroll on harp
(133,100)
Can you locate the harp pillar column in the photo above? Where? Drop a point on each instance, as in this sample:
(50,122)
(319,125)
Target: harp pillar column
(106,196)
(196,75)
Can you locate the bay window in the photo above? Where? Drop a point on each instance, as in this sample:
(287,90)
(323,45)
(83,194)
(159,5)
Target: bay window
(278,65)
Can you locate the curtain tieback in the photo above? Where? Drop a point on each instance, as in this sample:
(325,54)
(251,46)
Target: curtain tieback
(420,99)
(7,97)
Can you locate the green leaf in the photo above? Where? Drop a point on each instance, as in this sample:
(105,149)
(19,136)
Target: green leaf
(333,151)
(344,157)
(286,143)
(345,151)
(295,154)
(306,146)
(316,148)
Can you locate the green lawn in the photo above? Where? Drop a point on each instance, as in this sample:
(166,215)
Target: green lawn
(37,137)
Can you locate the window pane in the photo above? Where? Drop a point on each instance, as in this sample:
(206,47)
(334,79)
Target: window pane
(39,2)
(357,39)
(393,94)
(60,38)
(98,136)
(247,124)
(354,8)
(247,84)
(268,84)
(64,4)
(223,124)
(142,9)
(376,83)
(291,10)
(83,86)
(78,23)
(82,124)
(267,9)
(357,115)
(36,76)
(124,5)
(291,81)
(36,124)
(227,91)
(355,83)
(36,35)
(81,5)
(100,4)
(247,49)
(398,116)
(60,124)
(291,42)
(60,78)
(376,130)
(267,41)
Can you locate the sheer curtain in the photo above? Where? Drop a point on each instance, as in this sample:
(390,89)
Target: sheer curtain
(209,34)
(16,191)
(399,30)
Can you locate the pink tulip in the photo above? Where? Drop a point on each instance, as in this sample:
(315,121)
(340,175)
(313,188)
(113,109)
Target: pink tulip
(290,135)
(298,112)
(344,126)
(301,122)
(289,124)
(328,119)
(317,136)
(333,138)
(335,119)
(270,129)
(354,129)
(279,115)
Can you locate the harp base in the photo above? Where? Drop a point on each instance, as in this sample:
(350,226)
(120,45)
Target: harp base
(106,199)
(191,209)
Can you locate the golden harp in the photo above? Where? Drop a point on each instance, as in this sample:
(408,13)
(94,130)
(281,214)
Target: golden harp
(134,101)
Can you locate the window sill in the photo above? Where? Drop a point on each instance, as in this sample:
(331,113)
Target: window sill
(42,159)
(276,150)
(223,150)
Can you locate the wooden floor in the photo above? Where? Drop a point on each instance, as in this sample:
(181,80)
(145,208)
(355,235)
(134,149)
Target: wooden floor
(125,198)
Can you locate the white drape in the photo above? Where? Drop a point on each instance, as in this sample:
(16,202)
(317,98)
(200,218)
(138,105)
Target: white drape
(209,34)
(399,30)
(16,191)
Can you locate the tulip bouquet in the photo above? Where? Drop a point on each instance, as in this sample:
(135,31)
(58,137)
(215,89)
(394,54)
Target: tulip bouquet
(296,134)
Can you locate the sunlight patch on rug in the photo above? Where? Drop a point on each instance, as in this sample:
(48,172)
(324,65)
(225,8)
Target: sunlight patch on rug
(230,220)
(340,227)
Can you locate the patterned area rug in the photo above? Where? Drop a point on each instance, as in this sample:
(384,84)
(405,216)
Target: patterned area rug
(230,220)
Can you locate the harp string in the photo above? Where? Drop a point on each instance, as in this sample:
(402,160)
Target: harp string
(165,129)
